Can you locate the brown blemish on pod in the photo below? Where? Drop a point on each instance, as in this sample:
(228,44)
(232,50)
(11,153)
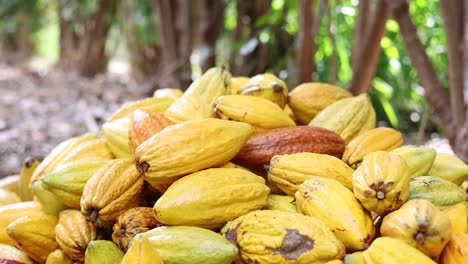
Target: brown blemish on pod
(294,245)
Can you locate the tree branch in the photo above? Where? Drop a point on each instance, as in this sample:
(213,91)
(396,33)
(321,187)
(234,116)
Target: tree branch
(364,71)
(305,42)
(435,92)
(454,33)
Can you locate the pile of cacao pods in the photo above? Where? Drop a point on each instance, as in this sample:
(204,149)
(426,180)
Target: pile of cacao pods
(238,170)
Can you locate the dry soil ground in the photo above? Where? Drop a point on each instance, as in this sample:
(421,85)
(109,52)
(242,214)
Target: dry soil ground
(38,111)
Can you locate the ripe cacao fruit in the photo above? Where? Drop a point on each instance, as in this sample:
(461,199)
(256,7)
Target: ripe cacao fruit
(237,82)
(456,250)
(438,191)
(387,250)
(29,166)
(150,104)
(142,252)
(171,93)
(143,125)
(418,159)
(103,252)
(58,257)
(449,167)
(457,216)
(267,86)
(12,253)
(281,202)
(116,135)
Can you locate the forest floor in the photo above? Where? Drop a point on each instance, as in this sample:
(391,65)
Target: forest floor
(38,110)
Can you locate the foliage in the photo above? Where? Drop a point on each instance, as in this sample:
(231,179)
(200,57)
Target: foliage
(396,93)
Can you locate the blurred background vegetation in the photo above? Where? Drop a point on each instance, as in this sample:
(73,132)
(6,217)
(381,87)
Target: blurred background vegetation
(168,43)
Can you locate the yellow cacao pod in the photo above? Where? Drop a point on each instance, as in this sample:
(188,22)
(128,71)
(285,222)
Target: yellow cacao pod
(73,233)
(309,99)
(238,82)
(132,222)
(142,252)
(194,199)
(271,236)
(116,136)
(281,202)
(457,216)
(50,203)
(10,183)
(261,113)
(449,167)
(267,86)
(85,146)
(420,224)
(354,258)
(348,117)
(35,235)
(333,204)
(24,189)
(7,197)
(103,252)
(189,147)
(189,244)
(198,100)
(289,171)
(381,182)
(456,250)
(58,257)
(387,250)
(438,191)
(418,159)
(10,252)
(143,125)
(68,180)
(114,188)
(381,138)
(171,93)
(9,213)
(150,104)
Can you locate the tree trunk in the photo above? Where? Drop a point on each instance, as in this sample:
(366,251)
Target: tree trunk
(174,28)
(334,56)
(305,41)
(360,31)
(364,71)
(453,30)
(209,25)
(93,58)
(69,41)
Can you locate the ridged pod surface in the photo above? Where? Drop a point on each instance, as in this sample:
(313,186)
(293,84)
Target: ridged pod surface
(114,188)
(418,159)
(354,258)
(333,204)
(75,148)
(26,173)
(436,190)
(420,224)
(68,180)
(267,86)
(281,202)
(449,167)
(271,236)
(188,147)
(456,250)
(457,216)
(171,93)
(198,100)
(381,138)
(58,257)
(10,252)
(381,182)
(35,235)
(289,171)
(131,223)
(387,250)
(308,99)
(261,113)
(103,252)
(203,199)
(238,82)
(142,252)
(10,183)
(7,197)
(9,213)
(348,117)
(73,233)
(143,125)
(116,135)
(261,147)
(189,244)
(150,104)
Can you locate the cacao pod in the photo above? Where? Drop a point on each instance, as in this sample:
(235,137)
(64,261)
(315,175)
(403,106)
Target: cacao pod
(418,159)
(387,250)
(267,86)
(449,167)
(143,125)
(150,104)
(438,191)
(456,250)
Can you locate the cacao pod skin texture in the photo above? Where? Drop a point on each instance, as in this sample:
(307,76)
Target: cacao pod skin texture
(261,147)
(387,250)
(456,250)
